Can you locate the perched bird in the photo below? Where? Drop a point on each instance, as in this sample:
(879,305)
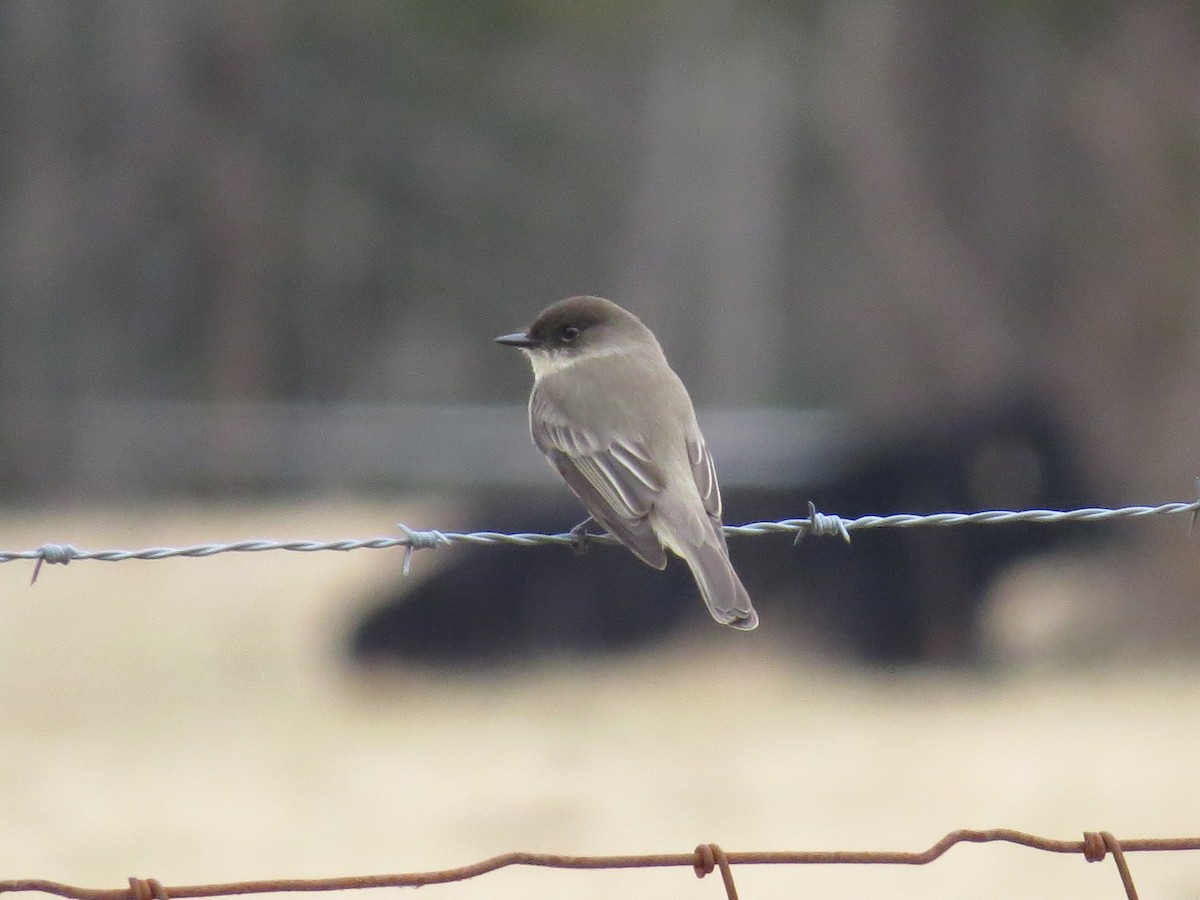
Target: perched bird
(618,425)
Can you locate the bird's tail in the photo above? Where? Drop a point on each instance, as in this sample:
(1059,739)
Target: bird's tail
(720,586)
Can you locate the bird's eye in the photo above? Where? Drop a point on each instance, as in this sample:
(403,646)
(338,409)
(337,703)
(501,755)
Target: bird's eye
(569,334)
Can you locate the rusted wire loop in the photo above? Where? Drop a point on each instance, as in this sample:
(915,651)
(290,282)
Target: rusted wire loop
(1118,854)
(147,889)
(1097,845)
(710,856)
(1094,849)
(706,860)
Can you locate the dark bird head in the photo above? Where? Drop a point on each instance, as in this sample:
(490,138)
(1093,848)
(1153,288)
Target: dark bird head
(577,326)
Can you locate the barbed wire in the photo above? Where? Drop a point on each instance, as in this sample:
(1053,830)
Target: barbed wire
(704,860)
(815,523)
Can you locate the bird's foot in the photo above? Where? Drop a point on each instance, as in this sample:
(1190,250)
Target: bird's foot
(580,535)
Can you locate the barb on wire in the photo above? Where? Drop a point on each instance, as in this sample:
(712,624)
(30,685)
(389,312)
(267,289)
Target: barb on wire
(816,523)
(704,860)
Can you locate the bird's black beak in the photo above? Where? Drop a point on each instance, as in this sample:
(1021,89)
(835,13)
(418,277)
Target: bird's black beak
(517,339)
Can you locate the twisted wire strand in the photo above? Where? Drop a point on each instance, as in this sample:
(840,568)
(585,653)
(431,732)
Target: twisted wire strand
(816,523)
(706,858)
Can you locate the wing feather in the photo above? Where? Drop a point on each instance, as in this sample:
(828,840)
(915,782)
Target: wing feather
(616,480)
(705,474)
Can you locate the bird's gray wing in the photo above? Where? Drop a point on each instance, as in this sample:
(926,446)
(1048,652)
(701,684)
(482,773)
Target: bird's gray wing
(705,475)
(615,479)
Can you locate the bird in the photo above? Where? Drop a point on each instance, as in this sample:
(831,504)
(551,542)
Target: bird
(618,425)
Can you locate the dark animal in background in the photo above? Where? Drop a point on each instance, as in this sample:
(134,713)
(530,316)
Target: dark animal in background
(892,596)
(912,595)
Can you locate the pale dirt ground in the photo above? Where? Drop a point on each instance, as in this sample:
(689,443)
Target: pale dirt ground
(191,720)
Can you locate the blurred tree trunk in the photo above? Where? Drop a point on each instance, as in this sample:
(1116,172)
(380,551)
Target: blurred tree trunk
(244,243)
(708,203)
(1066,264)
(1129,354)
(932,332)
(244,246)
(1129,323)
(43,320)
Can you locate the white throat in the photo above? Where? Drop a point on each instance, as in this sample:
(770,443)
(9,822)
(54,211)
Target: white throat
(551,363)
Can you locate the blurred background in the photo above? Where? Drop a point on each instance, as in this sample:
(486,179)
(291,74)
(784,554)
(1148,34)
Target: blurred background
(908,256)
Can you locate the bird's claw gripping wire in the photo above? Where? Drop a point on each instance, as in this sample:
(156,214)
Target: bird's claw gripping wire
(580,536)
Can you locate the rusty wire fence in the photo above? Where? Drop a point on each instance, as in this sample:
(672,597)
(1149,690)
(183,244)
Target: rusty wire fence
(704,860)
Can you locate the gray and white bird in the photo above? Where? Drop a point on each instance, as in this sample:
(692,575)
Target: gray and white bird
(617,424)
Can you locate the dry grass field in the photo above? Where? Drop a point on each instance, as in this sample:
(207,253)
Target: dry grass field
(193,721)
